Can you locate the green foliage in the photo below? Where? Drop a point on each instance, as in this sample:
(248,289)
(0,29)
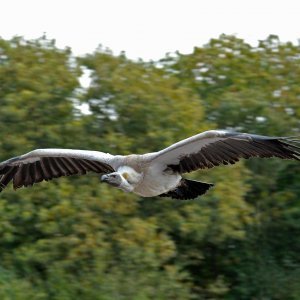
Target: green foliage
(76,239)
(254,89)
(248,88)
(131,99)
(14,288)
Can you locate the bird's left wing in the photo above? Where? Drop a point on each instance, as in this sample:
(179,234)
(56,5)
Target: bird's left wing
(216,147)
(46,164)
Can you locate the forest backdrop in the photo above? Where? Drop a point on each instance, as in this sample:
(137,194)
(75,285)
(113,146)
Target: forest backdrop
(74,238)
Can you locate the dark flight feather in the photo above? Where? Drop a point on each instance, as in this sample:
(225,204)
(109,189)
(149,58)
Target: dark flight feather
(47,168)
(230,150)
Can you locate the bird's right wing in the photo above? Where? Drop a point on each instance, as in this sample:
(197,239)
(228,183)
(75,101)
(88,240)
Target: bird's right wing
(46,164)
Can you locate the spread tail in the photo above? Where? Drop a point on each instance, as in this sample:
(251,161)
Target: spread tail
(188,189)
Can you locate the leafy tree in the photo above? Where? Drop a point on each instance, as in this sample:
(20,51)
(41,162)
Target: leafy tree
(70,238)
(74,238)
(242,86)
(254,89)
(129,105)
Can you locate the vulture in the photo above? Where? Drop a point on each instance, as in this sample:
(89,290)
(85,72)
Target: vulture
(151,174)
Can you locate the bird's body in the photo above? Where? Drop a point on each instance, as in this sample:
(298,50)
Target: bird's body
(152,174)
(154,182)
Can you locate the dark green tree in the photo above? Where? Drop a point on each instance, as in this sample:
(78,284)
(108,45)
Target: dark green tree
(74,238)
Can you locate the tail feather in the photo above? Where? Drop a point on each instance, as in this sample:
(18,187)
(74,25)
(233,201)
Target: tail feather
(188,189)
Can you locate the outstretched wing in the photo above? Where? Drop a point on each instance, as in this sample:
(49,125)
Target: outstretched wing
(216,147)
(46,164)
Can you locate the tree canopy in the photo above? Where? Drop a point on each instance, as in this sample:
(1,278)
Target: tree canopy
(74,238)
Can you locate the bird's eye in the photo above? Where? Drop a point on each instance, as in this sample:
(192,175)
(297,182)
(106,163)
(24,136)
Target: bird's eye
(113,176)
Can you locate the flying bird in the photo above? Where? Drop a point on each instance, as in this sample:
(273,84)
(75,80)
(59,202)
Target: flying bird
(152,174)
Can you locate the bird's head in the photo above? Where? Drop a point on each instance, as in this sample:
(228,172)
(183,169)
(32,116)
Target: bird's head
(114,179)
(125,178)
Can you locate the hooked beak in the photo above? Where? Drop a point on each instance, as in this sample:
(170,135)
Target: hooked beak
(104,178)
(112,179)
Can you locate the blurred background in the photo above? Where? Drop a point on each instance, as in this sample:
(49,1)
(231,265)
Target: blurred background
(73,238)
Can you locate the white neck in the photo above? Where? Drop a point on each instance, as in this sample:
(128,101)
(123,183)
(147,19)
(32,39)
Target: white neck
(130,178)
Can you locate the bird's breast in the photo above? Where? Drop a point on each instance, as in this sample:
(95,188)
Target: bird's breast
(156,182)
